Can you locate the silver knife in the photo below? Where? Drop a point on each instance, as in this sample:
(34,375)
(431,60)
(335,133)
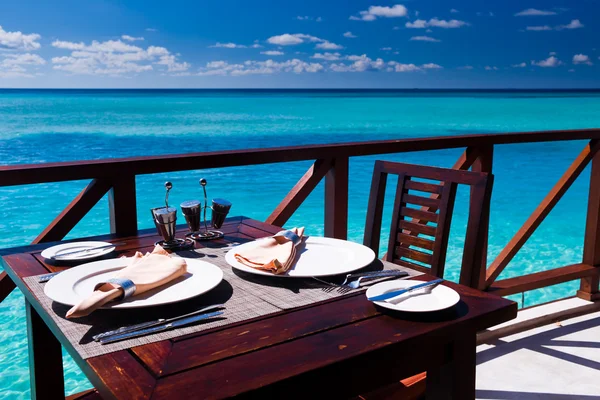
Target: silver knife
(87,249)
(132,328)
(395,293)
(47,277)
(377,274)
(159,328)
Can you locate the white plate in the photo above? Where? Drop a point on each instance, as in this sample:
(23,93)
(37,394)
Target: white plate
(73,285)
(74,246)
(440,298)
(320,257)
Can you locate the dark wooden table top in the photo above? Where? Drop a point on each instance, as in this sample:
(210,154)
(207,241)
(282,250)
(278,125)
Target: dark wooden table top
(327,349)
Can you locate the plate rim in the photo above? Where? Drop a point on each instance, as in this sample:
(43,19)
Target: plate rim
(123,306)
(235,264)
(393,307)
(98,243)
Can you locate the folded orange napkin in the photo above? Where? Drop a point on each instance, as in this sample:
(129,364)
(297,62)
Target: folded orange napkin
(274,254)
(145,271)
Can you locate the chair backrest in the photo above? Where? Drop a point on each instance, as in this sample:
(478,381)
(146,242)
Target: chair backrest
(419,235)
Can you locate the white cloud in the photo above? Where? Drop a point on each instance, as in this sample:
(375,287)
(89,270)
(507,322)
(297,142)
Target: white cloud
(109,46)
(539,28)
(466,67)
(151,30)
(534,12)
(386,48)
(520,65)
(307,18)
(490,68)
(440,23)
(328,46)
(131,38)
(114,57)
(16,65)
(574,24)
(581,59)
(549,62)
(251,67)
(397,10)
(288,39)
(552,53)
(327,56)
(436,23)
(417,24)
(272,53)
(453,10)
(363,63)
(11,60)
(350,35)
(398,67)
(425,39)
(228,45)
(396,28)
(18,40)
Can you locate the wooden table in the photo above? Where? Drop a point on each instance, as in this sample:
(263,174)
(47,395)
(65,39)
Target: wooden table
(334,349)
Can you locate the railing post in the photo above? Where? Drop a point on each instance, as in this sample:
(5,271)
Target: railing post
(591,246)
(484,163)
(122,206)
(336,199)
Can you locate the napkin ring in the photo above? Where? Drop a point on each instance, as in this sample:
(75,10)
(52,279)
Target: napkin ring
(291,236)
(126,284)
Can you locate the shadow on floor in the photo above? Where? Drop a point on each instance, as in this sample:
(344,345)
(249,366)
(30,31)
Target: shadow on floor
(539,343)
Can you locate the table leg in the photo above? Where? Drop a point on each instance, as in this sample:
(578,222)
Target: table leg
(45,359)
(456,379)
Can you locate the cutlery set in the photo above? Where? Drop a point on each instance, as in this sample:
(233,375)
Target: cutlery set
(159,325)
(428,286)
(353,281)
(85,250)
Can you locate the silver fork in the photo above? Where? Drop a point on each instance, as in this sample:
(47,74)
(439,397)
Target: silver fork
(346,286)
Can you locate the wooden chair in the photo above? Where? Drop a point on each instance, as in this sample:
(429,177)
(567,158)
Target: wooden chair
(419,236)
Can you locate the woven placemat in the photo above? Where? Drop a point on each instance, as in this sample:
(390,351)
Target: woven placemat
(246,296)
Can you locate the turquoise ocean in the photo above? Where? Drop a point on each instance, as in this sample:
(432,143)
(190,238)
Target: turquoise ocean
(38,126)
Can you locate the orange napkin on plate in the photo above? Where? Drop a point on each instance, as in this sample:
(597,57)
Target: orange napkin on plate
(145,271)
(274,254)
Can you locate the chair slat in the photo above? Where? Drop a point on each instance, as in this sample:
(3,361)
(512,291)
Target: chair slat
(410,265)
(419,214)
(417,228)
(424,187)
(414,255)
(422,201)
(415,241)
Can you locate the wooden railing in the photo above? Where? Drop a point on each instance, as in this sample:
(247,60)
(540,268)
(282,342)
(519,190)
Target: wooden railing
(117,177)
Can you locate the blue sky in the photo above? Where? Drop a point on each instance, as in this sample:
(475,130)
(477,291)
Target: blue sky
(305,44)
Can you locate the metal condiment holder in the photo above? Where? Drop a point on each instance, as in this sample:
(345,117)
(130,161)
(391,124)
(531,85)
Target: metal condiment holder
(192,209)
(165,220)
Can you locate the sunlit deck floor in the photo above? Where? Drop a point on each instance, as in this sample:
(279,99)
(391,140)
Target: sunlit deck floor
(560,360)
